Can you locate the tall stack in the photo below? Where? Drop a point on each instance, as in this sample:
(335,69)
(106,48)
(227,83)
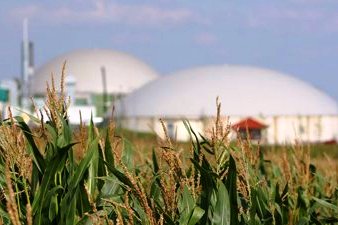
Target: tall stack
(27,66)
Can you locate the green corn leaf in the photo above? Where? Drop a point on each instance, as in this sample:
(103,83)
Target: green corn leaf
(35,183)
(155,194)
(52,131)
(278,214)
(123,178)
(155,163)
(232,188)
(186,206)
(277,196)
(208,186)
(91,130)
(187,127)
(253,207)
(66,135)
(196,144)
(48,177)
(303,221)
(222,211)
(110,188)
(127,154)
(83,204)
(93,162)
(108,151)
(138,209)
(101,168)
(196,216)
(53,192)
(326,204)
(207,145)
(53,208)
(83,166)
(71,212)
(263,202)
(330,220)
(4,215)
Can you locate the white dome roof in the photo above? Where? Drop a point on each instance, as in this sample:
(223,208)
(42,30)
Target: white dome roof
(124,73)
(243,91)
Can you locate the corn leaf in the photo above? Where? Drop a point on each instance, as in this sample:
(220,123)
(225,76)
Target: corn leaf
(222,211)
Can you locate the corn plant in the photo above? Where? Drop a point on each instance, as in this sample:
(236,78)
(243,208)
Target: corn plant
(216,182)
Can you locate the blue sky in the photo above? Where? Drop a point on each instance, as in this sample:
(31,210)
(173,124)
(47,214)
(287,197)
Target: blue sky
(298,37)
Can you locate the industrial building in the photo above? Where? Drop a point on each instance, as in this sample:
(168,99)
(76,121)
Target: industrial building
(263,105)
(15,92)
(271,107)
(95,78)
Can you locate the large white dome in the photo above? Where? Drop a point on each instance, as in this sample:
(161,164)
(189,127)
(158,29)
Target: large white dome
(243,91)
(124,73)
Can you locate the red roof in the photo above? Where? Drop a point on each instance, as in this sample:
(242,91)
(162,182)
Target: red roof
(248,123)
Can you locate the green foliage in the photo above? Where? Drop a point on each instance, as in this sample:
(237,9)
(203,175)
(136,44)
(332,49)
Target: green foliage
(220,185)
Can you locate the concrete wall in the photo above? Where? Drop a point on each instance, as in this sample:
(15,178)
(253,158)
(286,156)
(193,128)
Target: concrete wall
(281,129)
(288,129)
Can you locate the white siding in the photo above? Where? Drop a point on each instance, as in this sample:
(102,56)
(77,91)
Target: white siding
(280,130)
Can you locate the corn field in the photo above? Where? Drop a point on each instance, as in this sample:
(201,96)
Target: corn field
(43,181)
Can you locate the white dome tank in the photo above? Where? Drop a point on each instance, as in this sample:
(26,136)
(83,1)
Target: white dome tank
(243,91)
(124,73)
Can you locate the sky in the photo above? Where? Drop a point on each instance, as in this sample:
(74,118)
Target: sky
(296,37)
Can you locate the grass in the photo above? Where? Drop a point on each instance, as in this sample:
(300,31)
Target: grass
(57,174)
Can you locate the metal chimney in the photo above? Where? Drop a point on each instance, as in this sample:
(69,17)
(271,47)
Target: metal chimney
(27,66)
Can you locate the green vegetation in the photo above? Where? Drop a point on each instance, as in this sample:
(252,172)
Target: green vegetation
(217,182)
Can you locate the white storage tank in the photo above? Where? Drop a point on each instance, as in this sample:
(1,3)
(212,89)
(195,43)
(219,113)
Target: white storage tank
(290,108)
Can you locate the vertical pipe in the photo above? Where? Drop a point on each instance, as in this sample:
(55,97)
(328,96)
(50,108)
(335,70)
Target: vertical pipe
(25,64)
(104,88)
